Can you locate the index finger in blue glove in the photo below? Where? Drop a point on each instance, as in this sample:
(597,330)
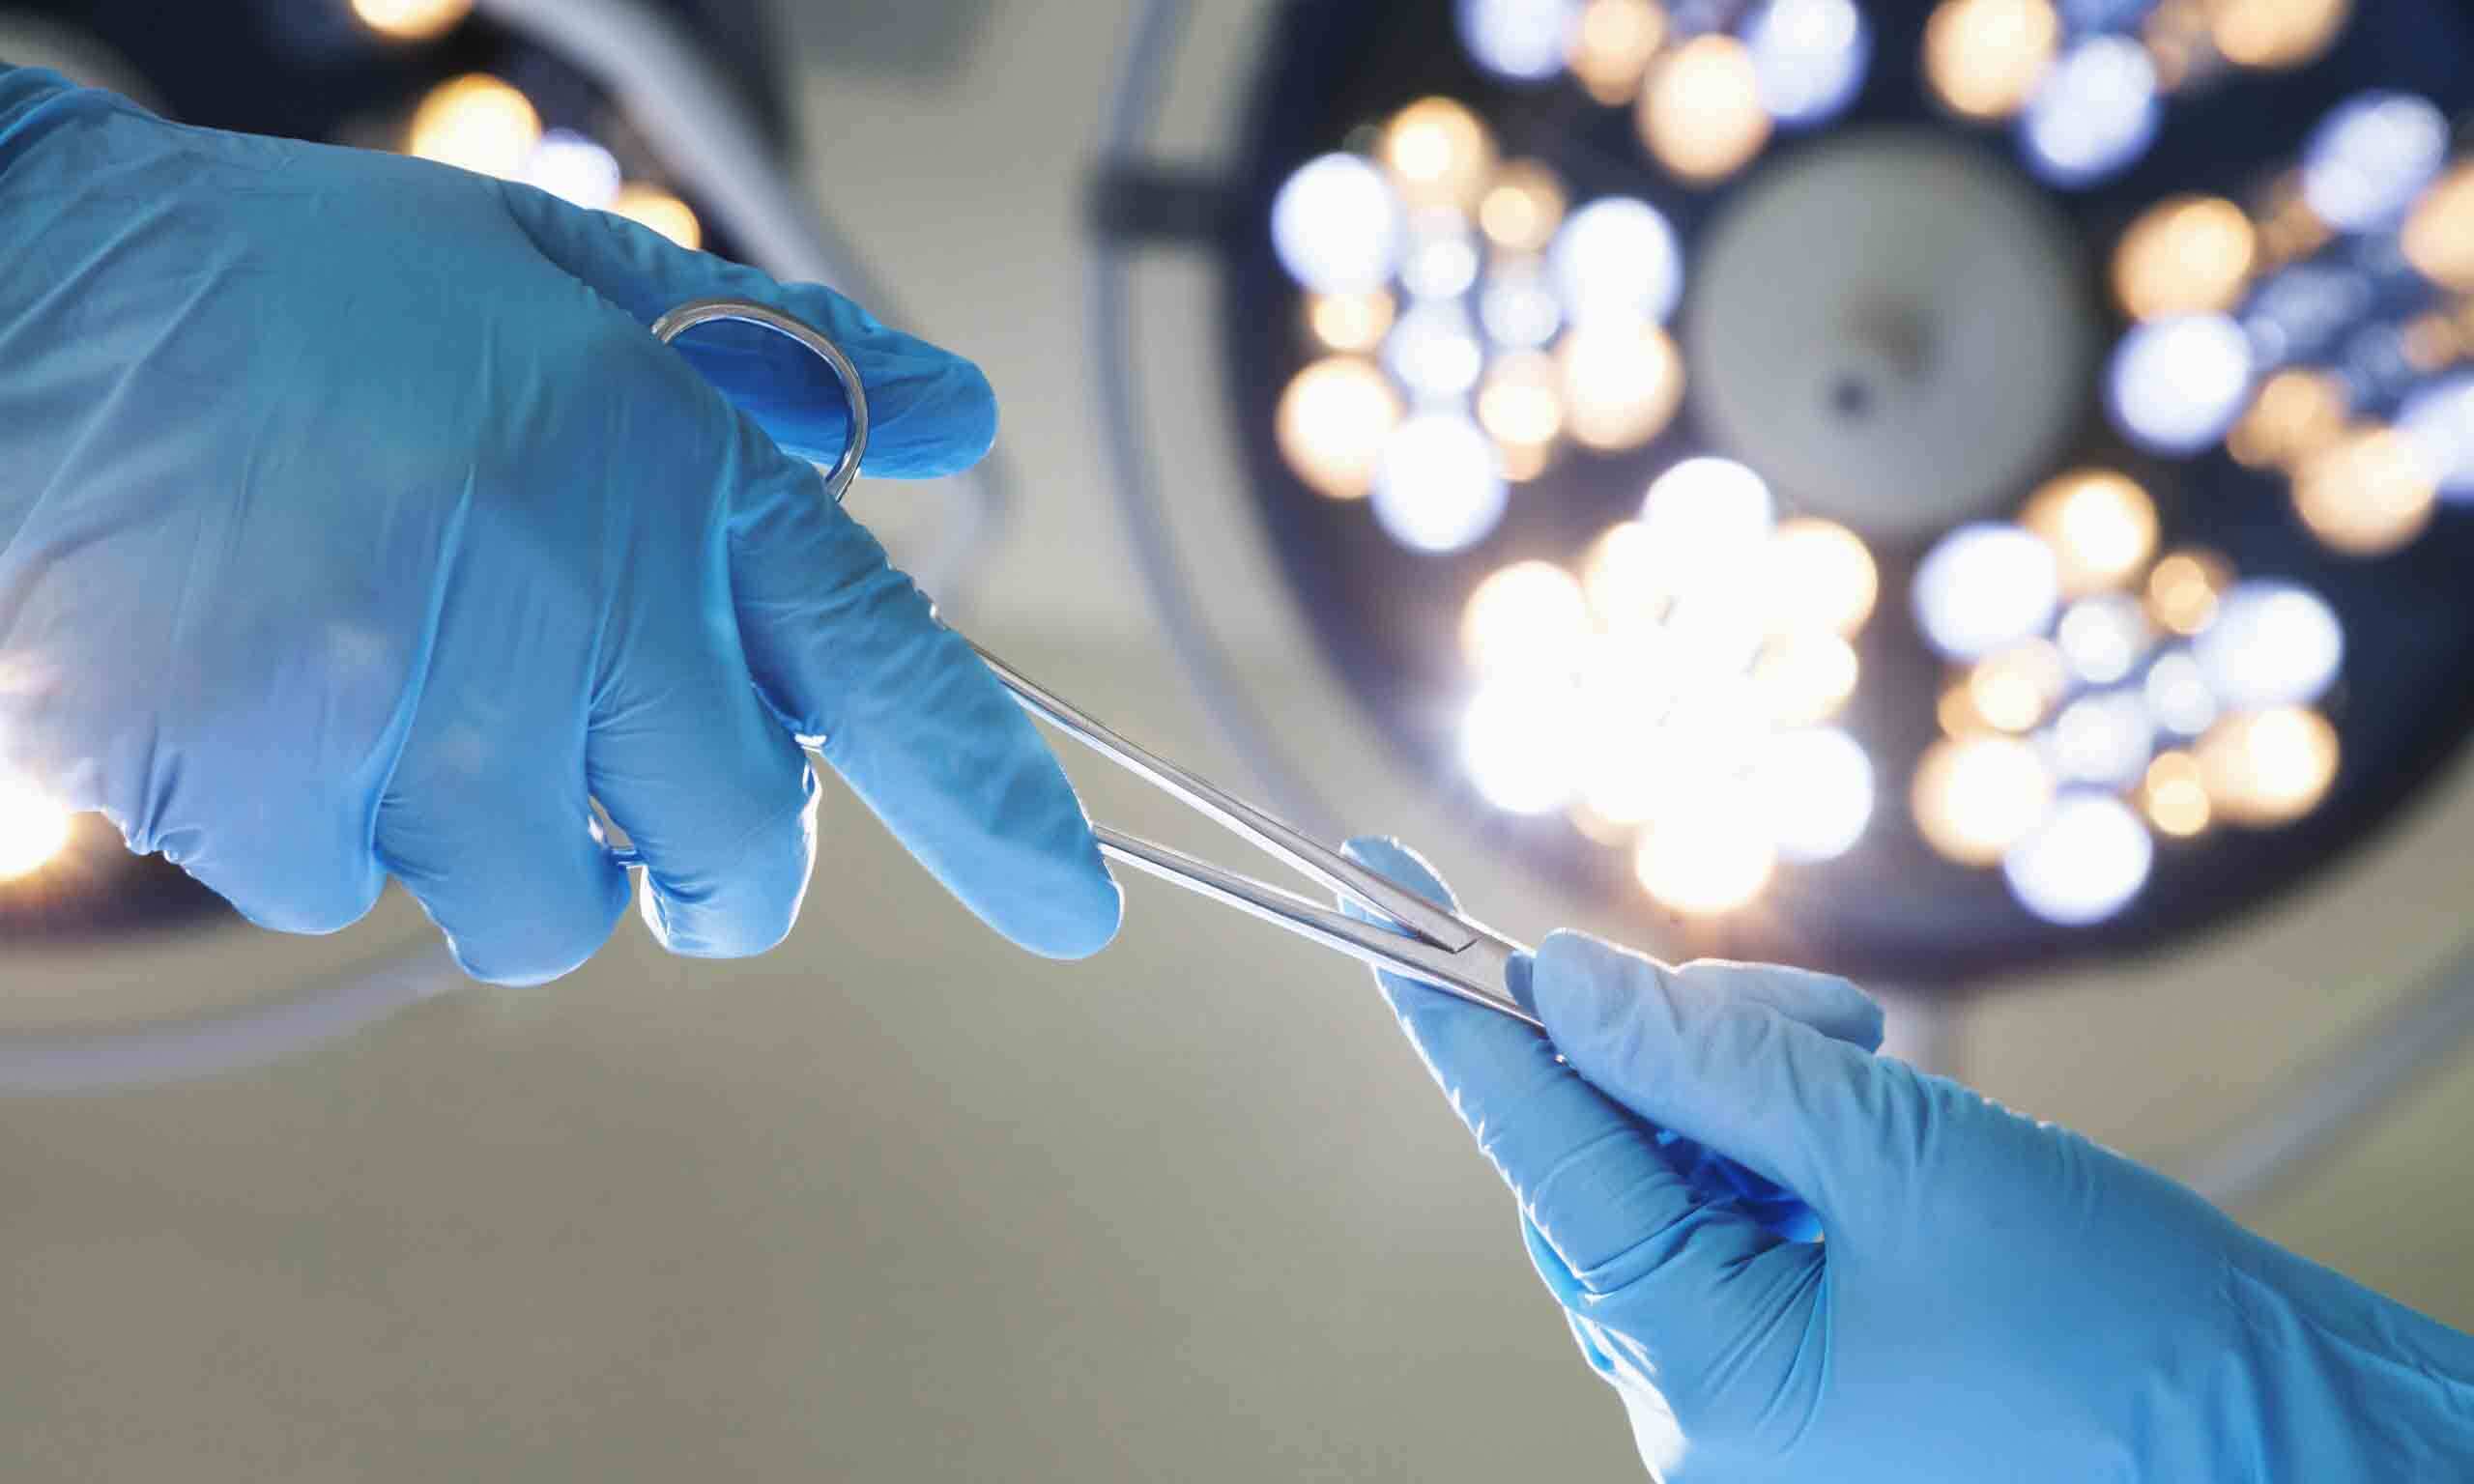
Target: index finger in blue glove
(844,647)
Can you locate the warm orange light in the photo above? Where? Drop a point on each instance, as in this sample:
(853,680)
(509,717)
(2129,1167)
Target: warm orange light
(2268,767)
(1985,57)
(1701,112)
(1703,862)
(2185,588)
(1822,578)
(2439,235)
(1520,402)
(2368,493)
(1332,422)
(664,212)
(1803,678)
(2013,689)
(1611,47)
(1353,323)
(2295,415)
(412,20)
(2101,527)
(2175,796)
(2184,255)
(33,830)
(1976,796)
(1521,210)
(1524,617)
(1438,153)
(475,123)
(2274,33)
(1622,385)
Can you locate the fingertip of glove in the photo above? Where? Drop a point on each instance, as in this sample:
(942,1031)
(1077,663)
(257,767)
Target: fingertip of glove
(1077,917)
(1588,991)
(935,418)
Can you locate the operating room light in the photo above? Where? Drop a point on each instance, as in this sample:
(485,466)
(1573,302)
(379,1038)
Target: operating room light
(1434,351)
(2083,864)
(1617,261)
(2102,527)
(1519,39)
(1701,113)
(2296,413)
(1526,618)
(475,123)
(2438,421)
(1612,43)
(1703,861)
(1708,521)
(651,207)
(2267,768)
(1521,210)
(1437,154)
(2273,643)
(2176,385)
(2368,160)
(1520,740)
(2275,34)
(33,830)
(1350,321)
(1976,796)
(575,169)
(2095,112)
(1334,421)
(1985,585)
(2438,237)
(1438,483)
(2185,255)
(1984,58)
(412,20)
(1809,56)
(1622,385)
(2368,493)
(1337,226)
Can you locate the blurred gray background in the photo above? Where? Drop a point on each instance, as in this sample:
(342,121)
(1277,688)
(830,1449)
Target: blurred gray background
(899,1202)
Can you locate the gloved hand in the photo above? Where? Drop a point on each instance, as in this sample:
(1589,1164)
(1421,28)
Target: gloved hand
(354,526)
(1997,1297)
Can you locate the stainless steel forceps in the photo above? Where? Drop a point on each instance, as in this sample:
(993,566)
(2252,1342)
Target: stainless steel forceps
(1424,942)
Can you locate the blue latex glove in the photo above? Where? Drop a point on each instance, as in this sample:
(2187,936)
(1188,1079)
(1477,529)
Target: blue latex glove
(355,526)
(1998,1299)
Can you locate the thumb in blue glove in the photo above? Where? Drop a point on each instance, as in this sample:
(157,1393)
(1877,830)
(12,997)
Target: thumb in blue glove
(1995,1298)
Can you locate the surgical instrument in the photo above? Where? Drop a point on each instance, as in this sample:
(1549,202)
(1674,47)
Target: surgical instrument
(1414,937)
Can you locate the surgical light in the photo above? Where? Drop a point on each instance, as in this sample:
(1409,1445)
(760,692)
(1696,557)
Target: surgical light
(1976,796)
(1336,225)
(2176,385)
(1438,153)
(575,169)
(412,20)
(1707,522)
(2266,768)
(33,830)
(1985,585)
(1518,40)
(1333,422)
(2368,493)
(1822,578)
(2273,643)
(1622,385)
(1616,260)
(1521,210)
(649,206)
(1434,351)
(1526,618)
(2101,525)
(1354,323)
(2438,237)
(1985,58)
(476,123)
(1809,56)
(2368,160)
(2185,255)
(1520,740)
(1703,861)
(1815,787)
(2275,34)
(2094,113)
(2083,864)
(2174,795)
(1611,42)
(1438,482)
(1700,111)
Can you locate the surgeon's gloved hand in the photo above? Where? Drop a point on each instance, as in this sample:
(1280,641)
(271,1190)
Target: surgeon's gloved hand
(1995,1298)
(352,524)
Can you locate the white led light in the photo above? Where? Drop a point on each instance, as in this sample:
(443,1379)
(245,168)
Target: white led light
(1616,260)
(2105,738)
(1434,351)
(1816,789)
(2176,385)
(33,830)
(1336,225)
(2272,645)
(1706,523)
(2083,864)
(1983,586)
(1439,486)
(2094,114)
(1518,309)
(575,169)
(1440,259)
(1520,741)
(1520,39)
(2368,159)
(2104,636)
(2178,695)
(1809,56)
(2439,421)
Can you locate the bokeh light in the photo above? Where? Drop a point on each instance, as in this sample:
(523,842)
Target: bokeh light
(1821,578)
(1520,741)
(2176,385)
(1611,42)
(1701,113)
(1622,385)
(2184,255)
(2438,237)
(2296,412)
(1354,323)
(2083,864)
(1438,153)
(1804,678)
(1810,56)
(476,123)
(1985,58)
(1617,261)
(1521,40)
(2094,113)
(1975,796)
(1522,208)
(1816,789)
(2014,689)
(33,830)
(1529,617)
(1520,403)
(1438,483)
(412,20)
(2273,643)
(1985,585)
(1334,420)
(1434,351)
(1336,225)
(2370,158)
(2100,524)
(2266,768)
(2274,34)
(2174,795)
(649,206)
(1703,861)
(2368,493)
(2102,637)
(575,169)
